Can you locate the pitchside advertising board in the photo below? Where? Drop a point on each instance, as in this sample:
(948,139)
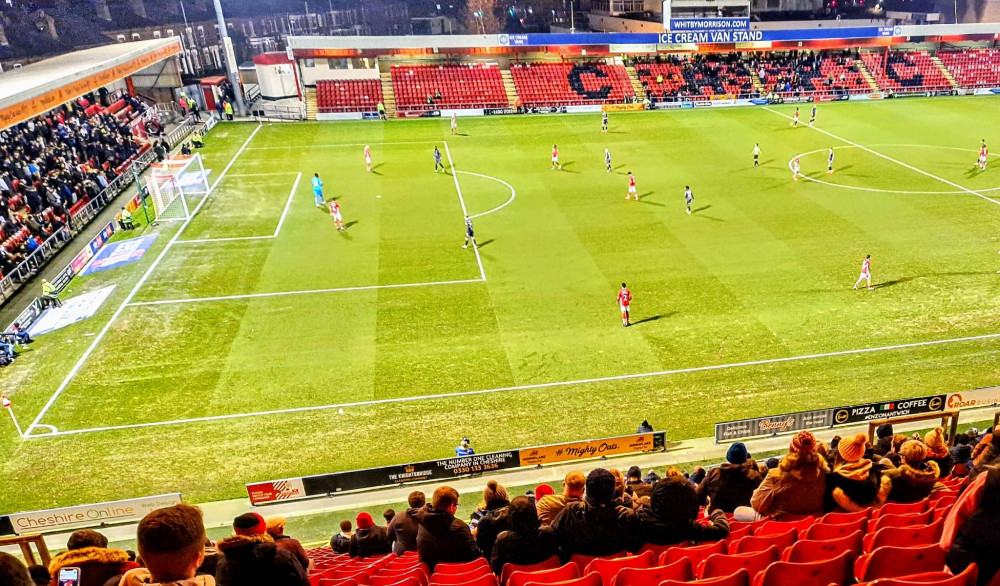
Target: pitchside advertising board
(96,515)
(441,470)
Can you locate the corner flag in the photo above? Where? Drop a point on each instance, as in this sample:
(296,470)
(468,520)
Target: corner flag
(5,402)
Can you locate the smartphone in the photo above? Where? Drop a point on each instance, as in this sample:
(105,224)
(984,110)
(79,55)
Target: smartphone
(69,577)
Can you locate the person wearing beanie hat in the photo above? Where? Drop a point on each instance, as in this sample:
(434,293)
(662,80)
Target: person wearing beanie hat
(526,542)
(404,526)
(599,525)
(443,538)
(772,462)
(550,506)
(937,450)
(542,491)
(855,483)
(634,485)
(671,515)
(884,434)
(916,477)
(250,557)
(370,539)
(493,520)
(276,529)
(731,484)
(795,488)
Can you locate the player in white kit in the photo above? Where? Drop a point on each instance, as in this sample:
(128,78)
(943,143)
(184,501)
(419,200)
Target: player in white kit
(795,169)
(866,273)
(368,158)
(454,123)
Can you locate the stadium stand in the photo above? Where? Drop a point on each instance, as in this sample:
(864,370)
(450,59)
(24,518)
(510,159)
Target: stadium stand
(662,81)
(718,75)
(973,67)
(431,87)
(809,73)
(562,84)
(895,70)
(348,95)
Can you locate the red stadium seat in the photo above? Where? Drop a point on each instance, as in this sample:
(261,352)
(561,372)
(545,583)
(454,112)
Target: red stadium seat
(754,543)
(740,578)
(340,582)
(560,574)
(781,527)
(833,571)
(904,536)
(679,570)
(808,550)
(410,581)
(695,553)
(739,533)
(588,580)
(462,568)
(824,531)
(966,578)
(893,562)
(900,509)
(715,566)
(838,518)
(656,549)
(508,569)
(904,520)
(487,579)
(582,561)
(464,578)
(609,568)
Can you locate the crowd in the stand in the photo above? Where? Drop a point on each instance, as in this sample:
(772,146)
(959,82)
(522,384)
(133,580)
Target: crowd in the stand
(50,163)
(598,514)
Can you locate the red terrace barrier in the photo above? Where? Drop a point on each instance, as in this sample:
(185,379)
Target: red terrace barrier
(92,110)
(79,205)
(116,106)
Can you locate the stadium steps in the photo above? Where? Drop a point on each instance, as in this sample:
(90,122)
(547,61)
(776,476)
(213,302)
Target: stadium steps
(509,87)
(388,95)
(944,71)
(311,107)
(756,81)
(640,93)
(867,75)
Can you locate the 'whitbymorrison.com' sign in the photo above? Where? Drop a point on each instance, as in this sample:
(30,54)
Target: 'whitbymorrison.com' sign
(90,515)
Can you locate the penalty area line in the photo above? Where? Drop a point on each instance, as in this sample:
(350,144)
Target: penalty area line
(377,402)
(888,158)
(142,281)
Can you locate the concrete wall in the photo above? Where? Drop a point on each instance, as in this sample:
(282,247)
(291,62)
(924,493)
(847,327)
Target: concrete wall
(276,81)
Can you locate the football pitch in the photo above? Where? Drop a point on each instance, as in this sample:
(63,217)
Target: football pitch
(254,341)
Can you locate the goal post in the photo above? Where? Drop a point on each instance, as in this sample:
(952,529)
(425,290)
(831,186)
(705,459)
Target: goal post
(172,182)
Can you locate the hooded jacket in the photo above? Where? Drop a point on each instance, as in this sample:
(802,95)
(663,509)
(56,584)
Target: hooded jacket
(403,528)
(913,482)
(491,524)
(254,560)
(796,487)
(589,527)
(98,565)
(142,577)
(442,538)
(854,486)
(374,540)
(730,485)
(525,542)
(670,515)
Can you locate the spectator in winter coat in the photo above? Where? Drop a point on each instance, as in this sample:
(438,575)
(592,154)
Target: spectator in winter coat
(550,506)
(916,477)
(670,517)
(12,571)
(884,434)
(441,538)
(795,488)
(599,525)
(494,517)
(732,484)
(276,529)
(250,558)
(172,545)
(525,542)
(855,483)
(990,456)
(88,550)
(370,539)
(341,542)
(403,527)
(972,528)
(977,449)
(961,452)
(937,450)
(634,485)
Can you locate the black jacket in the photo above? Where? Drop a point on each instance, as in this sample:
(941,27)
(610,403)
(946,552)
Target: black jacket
(256,561)
(403,528)
(657,530)
(855,486)
(976,540)
(492,524)
(596,529)
(441,538)
(375,540)
(523,548)
(730,486)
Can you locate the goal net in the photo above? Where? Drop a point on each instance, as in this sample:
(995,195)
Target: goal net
(173,182)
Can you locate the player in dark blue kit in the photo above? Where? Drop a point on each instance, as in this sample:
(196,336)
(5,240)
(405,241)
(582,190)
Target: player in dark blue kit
(604,123)
(437,160)
(829,162)
(470,234)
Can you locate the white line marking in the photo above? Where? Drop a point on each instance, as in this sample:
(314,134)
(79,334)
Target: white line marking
(465,211)
(513,193)
(877,190)
(142,281)
(522,387)
(342,145)
(277,228)
(303,292)
(888,158)
(273,174)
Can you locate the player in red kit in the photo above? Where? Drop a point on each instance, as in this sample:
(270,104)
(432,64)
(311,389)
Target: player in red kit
(368,158)
(631,187)
(624,300)
(983,154)
(555,158)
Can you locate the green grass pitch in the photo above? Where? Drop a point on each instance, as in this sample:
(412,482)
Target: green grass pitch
(393,319)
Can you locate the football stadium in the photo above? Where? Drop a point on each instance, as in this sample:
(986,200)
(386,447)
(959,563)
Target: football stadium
(711,301)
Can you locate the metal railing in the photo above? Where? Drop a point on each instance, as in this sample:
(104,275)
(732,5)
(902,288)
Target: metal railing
(27,268)
(280,112)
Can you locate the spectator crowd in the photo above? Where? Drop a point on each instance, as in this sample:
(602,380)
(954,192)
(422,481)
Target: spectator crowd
(601,513)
